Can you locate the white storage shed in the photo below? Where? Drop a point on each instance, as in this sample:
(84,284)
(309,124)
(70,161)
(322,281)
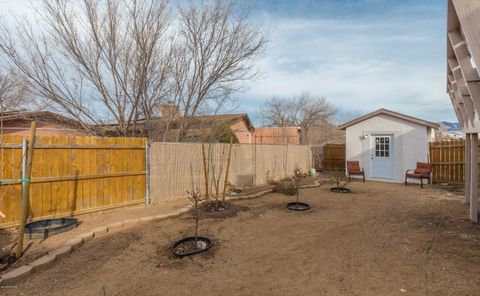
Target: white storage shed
(387,143)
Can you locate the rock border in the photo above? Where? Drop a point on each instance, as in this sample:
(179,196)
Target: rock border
(49,260)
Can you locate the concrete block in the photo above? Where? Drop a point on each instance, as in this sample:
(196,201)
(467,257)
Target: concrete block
(147,218)
(161,216)
(16,275)
(183,210)
(42,263)
(86,236)
(75,243)
(115,226)
(61,252)
(99,231)
(131,221)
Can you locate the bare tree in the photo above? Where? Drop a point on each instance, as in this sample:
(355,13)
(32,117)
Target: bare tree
(215,56)
(13,92)
(104,61)
(303,111)
(275,112)
(95,60)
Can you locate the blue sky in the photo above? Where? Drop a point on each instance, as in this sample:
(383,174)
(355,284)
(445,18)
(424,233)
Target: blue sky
(360,54)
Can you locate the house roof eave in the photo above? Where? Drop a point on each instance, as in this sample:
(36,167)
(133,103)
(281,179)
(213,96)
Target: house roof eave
(389,113)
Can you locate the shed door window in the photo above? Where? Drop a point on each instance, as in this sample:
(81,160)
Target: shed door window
(382,146)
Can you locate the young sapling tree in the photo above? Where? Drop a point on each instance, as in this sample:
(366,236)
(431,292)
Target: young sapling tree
(225,182)
(296,183)
(216,177)
(341,181)
(297,206)
(195,198)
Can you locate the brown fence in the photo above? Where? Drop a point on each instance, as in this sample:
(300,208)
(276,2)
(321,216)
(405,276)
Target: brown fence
(333,157)
(251,165)
(72,175)
(448,158)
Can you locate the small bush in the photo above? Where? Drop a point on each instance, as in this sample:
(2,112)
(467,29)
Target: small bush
(286,187)
(270,180)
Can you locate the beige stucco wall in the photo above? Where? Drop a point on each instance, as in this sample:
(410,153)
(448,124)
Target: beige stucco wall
(410,143)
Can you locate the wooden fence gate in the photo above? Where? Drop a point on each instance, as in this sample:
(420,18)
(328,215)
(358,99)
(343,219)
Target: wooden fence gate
(333,157)
(72,175)
(448,159)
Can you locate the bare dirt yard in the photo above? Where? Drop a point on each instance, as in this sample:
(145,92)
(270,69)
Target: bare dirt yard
(382,239)
(36,248)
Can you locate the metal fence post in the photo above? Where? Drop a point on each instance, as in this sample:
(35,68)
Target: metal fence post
(147,174)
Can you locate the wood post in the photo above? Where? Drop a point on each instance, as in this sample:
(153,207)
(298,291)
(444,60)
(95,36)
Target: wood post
(474,178)
(228,169)
(468,166)
(26,191)
(205,170)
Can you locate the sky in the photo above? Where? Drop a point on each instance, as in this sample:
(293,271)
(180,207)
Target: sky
(360,54)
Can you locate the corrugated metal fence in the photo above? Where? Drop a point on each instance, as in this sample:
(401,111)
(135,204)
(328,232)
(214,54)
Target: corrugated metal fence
(251,165)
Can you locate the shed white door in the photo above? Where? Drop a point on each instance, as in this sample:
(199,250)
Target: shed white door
(382,157)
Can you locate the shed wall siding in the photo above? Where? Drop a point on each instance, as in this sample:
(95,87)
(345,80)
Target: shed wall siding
(410,144)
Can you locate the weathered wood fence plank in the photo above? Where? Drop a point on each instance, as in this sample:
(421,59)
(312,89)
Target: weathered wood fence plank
(333,157)
(448,159)
(72,175)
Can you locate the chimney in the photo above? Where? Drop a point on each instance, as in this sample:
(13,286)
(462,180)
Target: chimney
(170,111)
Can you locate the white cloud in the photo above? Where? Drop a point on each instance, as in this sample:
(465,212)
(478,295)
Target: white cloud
(359,66)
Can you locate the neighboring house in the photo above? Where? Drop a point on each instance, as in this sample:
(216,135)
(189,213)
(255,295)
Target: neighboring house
(240,125)
(213,128)
(219,127)
(387,143)
(48,124)
(442,135)
(323,132)
(277,135)
(448,131)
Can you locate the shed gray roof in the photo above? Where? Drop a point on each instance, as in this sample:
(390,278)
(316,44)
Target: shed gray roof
(389,113)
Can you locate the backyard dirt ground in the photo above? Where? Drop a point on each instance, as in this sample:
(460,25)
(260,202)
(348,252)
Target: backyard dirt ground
(36,248)
(382,239)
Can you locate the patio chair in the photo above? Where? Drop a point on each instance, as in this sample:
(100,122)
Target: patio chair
(353,168)
(423,171)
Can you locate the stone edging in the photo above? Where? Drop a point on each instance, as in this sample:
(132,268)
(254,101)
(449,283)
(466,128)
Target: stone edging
(47,261)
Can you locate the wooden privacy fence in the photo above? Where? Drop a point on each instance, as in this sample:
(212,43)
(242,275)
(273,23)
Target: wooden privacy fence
(333,157)
(448,158)
(72,175)
(171,165)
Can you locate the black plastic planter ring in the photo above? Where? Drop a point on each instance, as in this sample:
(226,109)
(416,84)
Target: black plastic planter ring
(48,227)
(297,206)
(6,261)
(189,239)
(340,190)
